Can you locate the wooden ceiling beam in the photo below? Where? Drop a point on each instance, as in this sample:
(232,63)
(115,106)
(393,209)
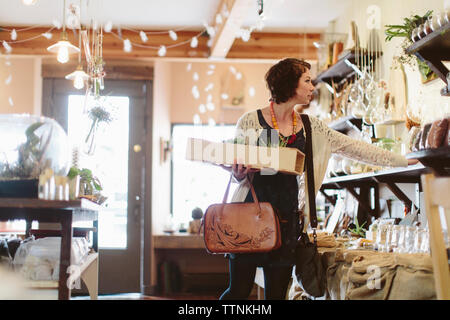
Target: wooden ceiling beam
(226,31)
(262,45)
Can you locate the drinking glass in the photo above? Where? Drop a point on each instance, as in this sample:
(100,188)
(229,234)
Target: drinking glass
(380,238)
(418,238)
(415,35)
(395,235)
(434,22)
(409,239)
(387,242)
(401,239)
(425,242)
(443,18)
(421,31)
(427,27)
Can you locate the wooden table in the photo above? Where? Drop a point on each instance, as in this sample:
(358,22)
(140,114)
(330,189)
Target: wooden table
(63,212)
(188,252)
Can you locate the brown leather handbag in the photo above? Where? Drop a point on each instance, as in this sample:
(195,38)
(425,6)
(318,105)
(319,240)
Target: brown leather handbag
(241,227)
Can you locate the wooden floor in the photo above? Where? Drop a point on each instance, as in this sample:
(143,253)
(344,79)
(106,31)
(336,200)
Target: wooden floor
(138,296)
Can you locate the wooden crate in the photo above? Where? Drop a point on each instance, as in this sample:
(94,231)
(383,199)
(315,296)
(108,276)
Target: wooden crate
(286,160)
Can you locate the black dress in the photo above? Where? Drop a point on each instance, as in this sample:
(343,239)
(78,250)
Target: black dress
(281,190)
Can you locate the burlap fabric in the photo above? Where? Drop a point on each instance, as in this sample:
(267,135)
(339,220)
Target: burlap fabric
(371,275)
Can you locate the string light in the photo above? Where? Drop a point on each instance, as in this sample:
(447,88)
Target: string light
(194,42)
(143,36)
(173,35)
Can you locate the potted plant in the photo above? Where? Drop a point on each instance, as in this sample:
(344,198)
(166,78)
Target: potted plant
(89,185)
(405,31)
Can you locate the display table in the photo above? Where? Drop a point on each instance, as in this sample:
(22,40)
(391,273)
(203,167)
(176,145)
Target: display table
(186,253)
(64,213)
(371,275)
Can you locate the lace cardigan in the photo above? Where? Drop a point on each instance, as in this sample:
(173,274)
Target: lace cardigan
(325,141)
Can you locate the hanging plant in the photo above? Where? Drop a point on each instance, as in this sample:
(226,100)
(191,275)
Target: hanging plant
(97,114)
(405,31)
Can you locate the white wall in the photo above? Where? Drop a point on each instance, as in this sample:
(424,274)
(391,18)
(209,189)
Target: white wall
(20,84)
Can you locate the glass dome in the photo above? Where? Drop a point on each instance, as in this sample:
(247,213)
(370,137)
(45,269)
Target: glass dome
(29,144)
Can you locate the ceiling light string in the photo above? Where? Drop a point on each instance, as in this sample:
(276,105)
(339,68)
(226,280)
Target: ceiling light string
(31,38)
(162,49)
(157,32)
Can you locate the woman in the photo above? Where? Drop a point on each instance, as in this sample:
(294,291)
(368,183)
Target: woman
(290,84)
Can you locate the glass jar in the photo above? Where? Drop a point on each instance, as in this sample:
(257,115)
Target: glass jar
(30,144)
(395,235)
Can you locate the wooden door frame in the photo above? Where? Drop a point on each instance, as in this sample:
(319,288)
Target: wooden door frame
(145,248)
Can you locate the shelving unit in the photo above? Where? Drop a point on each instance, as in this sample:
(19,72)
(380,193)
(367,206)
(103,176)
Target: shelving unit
(437,159)
(371,180)
(345,124)
(433,49)
(344,69)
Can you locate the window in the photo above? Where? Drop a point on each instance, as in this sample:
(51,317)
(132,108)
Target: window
(196,184)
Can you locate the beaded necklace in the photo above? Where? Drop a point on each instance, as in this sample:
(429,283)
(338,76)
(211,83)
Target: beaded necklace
(291,138)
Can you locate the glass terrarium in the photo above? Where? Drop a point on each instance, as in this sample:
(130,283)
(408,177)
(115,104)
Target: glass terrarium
(28,145)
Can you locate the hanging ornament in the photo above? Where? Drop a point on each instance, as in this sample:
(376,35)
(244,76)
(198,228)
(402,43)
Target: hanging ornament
(238,76)
(209,98)
(211,122)
(210,72)
(210,106)
(56,24)
(195,92)
(173,35)
(195,76)
(224,96)
(13,34)
(11,102)
(219,19)
(127,45)
(196,119)
(8,80)
(143,36)
(251,91)
(194,42)
(209,87)
(108,26)
(244,34)
(202,108)
(212,66)
(162,51)
(7,46)
(47,35)
(189,67)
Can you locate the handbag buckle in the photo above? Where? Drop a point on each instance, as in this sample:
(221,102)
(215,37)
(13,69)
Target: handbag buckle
(315,236)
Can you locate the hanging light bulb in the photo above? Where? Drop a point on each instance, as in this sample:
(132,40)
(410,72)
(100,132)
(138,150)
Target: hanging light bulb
(78,77)
(63,47)
(29,2)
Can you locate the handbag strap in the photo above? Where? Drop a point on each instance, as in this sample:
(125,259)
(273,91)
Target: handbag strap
(310,173)
(255,198)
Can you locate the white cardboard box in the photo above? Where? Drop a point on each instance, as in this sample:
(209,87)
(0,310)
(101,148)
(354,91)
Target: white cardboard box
(286,160)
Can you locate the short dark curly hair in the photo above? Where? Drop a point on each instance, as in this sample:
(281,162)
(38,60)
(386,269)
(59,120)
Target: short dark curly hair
(282,78)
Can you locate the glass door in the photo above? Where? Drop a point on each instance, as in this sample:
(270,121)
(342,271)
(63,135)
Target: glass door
(117,159)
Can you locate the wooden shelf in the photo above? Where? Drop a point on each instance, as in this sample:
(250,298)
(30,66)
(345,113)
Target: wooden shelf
(438,159)
(345,124)
(411,174)
(341,70)
(433,49)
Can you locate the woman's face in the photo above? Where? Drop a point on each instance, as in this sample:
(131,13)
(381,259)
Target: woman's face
(305,89)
